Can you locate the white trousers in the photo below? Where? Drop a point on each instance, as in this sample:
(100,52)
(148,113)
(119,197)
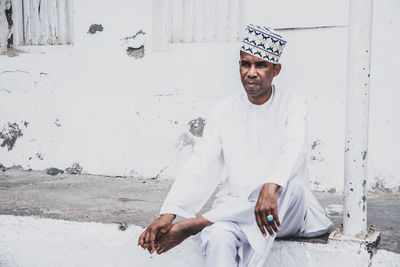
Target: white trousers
(225,244)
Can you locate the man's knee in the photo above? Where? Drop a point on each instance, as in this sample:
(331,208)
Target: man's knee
(214,236)
(220,245)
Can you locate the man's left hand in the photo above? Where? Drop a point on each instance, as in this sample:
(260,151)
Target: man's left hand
(267,204)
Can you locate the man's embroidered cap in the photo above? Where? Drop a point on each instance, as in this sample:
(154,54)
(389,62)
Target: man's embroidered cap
(262,42)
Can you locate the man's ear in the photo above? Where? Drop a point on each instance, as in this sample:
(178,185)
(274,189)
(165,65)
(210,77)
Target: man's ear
(277,69)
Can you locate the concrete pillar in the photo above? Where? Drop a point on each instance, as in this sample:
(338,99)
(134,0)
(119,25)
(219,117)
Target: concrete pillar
(357,108)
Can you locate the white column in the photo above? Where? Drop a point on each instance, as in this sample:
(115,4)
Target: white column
(17,16)
(27,23)
(357,103)
(53,21)
(177,21)
(69,10)
(199,18)
(233,21)
(209,24)
(188,20)
(35,21)
(160,25)
(221,20)
(62,22)
(43,22)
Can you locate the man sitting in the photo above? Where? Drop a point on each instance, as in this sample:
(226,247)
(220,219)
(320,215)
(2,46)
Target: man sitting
(256,142)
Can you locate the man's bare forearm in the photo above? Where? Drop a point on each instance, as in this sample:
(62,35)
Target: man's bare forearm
(180,231)
(194,225)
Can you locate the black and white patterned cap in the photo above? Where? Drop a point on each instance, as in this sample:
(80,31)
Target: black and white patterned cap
(263,42)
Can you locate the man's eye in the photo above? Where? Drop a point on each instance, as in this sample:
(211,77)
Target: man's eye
(261,65)
(245,64)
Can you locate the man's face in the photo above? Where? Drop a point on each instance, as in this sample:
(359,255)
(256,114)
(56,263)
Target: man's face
(257,75)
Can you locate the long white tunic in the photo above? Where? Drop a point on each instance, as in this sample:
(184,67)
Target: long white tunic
(244,146)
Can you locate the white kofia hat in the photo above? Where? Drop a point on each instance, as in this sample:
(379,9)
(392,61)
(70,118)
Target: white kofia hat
(263,42)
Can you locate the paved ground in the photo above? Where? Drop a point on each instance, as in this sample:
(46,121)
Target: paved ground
(134,201)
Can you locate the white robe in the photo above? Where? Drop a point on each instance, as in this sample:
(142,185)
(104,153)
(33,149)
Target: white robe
(244,146)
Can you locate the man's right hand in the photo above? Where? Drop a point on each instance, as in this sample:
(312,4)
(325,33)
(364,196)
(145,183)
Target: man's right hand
(157,229)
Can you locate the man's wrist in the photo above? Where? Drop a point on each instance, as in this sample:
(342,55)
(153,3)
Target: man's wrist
(271,187)
(168,216)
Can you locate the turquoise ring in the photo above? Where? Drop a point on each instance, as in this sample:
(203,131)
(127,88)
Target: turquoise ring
(270,218)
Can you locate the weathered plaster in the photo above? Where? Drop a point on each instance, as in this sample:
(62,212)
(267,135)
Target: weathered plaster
(92,103)
(95,28)
(10,133)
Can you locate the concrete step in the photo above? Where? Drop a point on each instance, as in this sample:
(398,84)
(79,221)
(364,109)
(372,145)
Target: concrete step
(30,241)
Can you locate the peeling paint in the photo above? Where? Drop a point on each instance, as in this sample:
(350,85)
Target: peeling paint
(364,155)
(316,151)
(57,123)
(196,126)
(135,52)
(380,186)
(95,28)
(317,158)
(185,140)
(332,190)
(39,156)
(126,39)
(134,48)
(10,37)
(10,133)
(75,169)
(315,144)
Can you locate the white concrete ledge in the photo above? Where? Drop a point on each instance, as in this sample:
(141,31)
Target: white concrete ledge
(29,241)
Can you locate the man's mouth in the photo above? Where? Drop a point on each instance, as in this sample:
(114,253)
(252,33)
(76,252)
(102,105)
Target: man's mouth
(251,84)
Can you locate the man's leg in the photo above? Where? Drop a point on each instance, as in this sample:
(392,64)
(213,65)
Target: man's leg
(222,244)
(293,214)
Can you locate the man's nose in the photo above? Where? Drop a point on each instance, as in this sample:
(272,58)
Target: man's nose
(252,73)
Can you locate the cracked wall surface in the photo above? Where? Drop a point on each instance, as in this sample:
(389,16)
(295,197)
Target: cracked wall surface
(115,107)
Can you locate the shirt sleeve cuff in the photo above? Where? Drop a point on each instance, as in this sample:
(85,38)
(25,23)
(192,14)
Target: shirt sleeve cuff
(253,195)
(177,211)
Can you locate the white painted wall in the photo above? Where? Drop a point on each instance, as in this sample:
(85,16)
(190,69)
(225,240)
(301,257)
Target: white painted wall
(93,104)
